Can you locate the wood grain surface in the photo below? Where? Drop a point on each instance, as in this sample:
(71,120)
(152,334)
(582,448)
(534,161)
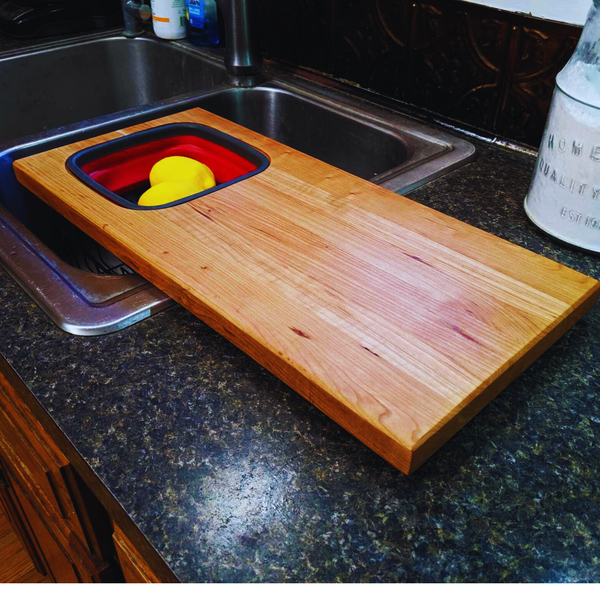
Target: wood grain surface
(398,322)
(16,565)
(135,568)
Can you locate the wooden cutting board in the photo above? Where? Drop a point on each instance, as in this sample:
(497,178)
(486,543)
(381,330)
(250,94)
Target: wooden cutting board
(398,322)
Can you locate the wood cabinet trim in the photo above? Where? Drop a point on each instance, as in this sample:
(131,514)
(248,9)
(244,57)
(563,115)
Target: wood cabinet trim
(85,563)
(135,568)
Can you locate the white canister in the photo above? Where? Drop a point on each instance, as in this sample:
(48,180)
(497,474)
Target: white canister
(564,198)
(168,19)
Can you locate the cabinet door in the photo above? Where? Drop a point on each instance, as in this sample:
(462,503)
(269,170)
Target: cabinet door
(38,458)
(47,563)
(42,477)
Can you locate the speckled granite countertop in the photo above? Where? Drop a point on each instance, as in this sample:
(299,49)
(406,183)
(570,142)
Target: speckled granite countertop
(234,477)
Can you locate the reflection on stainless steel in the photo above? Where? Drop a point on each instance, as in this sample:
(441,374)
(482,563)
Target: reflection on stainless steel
(109,82)
(333,136)
(78,302)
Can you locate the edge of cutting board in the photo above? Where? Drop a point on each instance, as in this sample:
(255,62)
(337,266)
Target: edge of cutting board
(429,444)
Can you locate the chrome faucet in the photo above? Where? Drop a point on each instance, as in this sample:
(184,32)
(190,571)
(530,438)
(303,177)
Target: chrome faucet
(242,55)
(132,10)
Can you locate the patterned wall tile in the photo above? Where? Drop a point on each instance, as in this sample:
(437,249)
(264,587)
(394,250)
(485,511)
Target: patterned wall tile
(297,32)
(540,55)
(474,64)
(457,64)
(370,38)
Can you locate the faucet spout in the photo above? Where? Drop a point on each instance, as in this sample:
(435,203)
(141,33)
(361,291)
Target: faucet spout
(242,55)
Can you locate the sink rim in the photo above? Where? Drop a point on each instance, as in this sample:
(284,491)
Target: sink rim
(48,45)
(419,169)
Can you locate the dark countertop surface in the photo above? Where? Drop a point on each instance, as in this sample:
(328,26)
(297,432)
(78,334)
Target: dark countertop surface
(232,476)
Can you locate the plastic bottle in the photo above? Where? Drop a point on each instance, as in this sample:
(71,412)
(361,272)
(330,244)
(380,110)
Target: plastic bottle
(168,19)
(564,198)
(202,22)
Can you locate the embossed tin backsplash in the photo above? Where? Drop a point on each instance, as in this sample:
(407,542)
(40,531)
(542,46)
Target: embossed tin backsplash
(478,65)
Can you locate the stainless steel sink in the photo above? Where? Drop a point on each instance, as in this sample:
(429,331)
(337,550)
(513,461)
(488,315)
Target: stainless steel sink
(58,93)
(59,84)
(359,137)
(112,83)
(333,136)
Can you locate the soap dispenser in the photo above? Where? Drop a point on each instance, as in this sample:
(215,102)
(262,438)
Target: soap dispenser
(202,22)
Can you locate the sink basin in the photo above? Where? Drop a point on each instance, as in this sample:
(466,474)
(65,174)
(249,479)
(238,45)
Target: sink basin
(331,136)
(359,137)
(59,84)
(62,93)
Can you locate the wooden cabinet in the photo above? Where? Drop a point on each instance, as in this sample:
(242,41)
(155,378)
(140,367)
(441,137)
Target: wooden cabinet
(135,568)
(43,496)
(68,534)
(49,562)
(27,562)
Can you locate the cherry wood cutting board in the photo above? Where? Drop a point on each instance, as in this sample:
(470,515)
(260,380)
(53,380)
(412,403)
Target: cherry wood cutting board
(398,322)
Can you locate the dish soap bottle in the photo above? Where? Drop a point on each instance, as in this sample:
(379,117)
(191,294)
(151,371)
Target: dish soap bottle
(168,19)
(564,198)
(202,22)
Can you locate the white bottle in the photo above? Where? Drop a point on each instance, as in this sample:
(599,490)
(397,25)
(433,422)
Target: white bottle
(168,19)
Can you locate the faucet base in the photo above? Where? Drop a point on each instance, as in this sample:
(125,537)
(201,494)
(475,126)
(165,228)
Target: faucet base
(245,81)
(133,34)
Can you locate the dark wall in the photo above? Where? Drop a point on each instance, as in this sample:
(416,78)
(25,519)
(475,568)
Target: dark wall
(482,66)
